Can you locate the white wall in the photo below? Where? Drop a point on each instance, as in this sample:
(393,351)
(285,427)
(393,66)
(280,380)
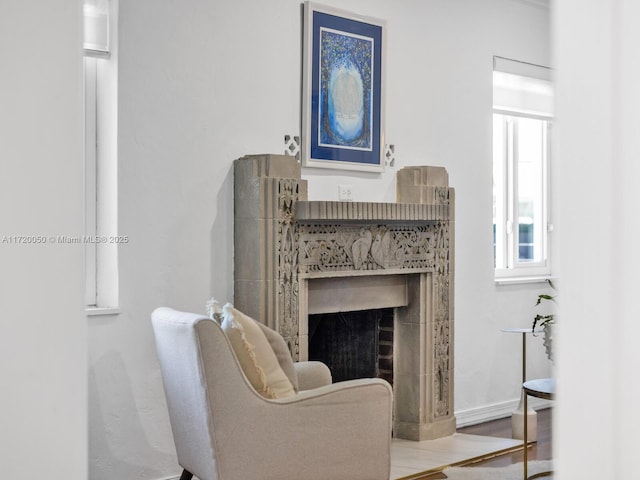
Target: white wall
(202,83)
(43,360)
(598,122)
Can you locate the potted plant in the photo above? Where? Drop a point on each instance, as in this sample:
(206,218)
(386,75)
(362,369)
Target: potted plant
(546,321)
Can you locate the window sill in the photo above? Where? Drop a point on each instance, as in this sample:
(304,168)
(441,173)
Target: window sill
(522,280)
(99,311)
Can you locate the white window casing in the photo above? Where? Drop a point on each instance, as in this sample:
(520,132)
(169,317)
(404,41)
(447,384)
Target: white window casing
(522,115)
(101,158)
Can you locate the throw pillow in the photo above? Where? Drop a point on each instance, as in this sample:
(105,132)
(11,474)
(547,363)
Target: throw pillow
(256,357)
(283,354)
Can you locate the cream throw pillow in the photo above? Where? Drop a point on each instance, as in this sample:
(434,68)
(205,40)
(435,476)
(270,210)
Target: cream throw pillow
(257,359)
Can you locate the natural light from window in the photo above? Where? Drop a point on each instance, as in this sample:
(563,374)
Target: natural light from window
(101,234)
(522,113)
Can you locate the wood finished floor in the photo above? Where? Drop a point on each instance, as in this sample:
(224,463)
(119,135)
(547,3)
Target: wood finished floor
(541,450)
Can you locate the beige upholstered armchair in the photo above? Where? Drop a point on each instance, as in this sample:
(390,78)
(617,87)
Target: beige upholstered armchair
(224,429)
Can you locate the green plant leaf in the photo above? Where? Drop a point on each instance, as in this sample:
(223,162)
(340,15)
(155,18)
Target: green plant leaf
(543,320)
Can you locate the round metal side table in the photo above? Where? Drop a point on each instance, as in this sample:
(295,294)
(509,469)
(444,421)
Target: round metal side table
(516,433)
(539,388)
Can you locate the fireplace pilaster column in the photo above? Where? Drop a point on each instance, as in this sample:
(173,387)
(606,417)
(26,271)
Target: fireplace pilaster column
(267,189)
(424,330)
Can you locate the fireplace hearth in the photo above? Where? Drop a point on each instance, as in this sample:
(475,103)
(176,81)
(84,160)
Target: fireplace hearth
(297,259)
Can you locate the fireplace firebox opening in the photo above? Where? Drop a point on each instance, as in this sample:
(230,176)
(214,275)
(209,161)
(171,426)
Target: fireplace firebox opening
(356,344)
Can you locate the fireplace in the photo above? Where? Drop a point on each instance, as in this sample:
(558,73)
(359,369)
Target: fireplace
(295,259)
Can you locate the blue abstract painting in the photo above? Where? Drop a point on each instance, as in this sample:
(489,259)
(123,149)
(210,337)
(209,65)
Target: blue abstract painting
(344,114)
(346,63)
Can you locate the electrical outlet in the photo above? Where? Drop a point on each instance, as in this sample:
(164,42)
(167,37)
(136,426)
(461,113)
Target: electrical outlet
(345,193)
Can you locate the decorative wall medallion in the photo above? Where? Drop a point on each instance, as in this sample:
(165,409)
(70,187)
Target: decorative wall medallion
(292,146)
(390,155)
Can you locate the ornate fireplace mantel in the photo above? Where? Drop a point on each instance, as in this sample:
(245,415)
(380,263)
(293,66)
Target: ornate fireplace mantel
(284,243)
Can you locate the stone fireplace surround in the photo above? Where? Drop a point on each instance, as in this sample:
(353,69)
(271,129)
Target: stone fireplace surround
(295,257)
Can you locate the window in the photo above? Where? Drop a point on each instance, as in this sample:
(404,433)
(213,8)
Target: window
(101,239)
(522,114)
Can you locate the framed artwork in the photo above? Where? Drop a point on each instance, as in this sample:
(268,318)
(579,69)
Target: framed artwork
(343,90)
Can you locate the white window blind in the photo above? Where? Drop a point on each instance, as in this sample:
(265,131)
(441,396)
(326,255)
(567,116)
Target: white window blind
(522,87)
(96,27)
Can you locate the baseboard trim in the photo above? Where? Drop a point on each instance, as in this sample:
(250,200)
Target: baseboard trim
(486,413)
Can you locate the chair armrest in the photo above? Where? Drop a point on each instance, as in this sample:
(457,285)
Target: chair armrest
(312,375)
(338,423)
(359,390)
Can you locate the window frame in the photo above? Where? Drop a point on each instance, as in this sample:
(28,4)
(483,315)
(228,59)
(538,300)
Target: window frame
(506,234)
(101,163)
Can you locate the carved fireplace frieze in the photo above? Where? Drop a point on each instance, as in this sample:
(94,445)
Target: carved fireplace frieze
(336,247)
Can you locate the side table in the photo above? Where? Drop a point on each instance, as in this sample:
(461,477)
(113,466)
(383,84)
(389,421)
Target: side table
(539,388)
(516,421)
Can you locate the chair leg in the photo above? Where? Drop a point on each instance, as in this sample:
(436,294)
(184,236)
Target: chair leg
(186,475)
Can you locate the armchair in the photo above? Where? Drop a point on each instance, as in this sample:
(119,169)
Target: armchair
(224,429)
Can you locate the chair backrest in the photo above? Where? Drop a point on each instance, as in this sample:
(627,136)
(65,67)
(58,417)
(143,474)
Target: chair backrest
(186,343)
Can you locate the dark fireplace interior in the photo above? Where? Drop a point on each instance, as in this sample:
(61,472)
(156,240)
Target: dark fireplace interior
(355,344)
